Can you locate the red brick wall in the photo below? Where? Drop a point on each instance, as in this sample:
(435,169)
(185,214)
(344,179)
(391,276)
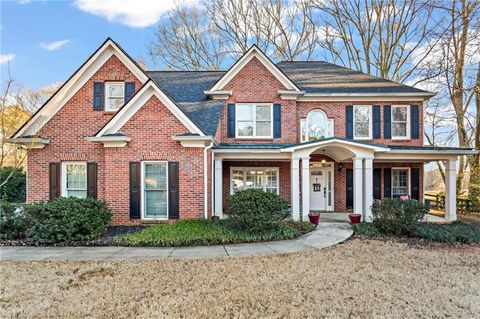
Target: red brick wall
(68,131)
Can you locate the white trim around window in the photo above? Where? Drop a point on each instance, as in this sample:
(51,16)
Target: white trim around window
(253,120)
(408,179)
(407,122)
(108,98)
(143,190)
(264,185)
(370,122)
(80,188)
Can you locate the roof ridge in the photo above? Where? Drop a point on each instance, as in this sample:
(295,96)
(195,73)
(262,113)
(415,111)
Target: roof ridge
(189,71)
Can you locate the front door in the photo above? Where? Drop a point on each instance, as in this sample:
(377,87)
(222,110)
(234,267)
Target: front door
(321,187)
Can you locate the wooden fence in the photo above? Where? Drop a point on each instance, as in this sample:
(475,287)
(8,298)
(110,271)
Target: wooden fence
(463,205)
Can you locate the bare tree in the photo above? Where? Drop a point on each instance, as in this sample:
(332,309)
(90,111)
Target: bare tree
(474,183)
(187,40)
(379,37)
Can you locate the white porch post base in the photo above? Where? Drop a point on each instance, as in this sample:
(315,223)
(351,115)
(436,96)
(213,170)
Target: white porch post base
(357,186)
(295,184)
(218,189)
(368,190)
(305,187)
(451,190)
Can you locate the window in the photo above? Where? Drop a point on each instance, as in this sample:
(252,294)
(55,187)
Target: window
(316,126)
(115,95)
(74,179)
(155,190)
(400,182)
(400,121)
(362,122)
(265,179)
(254,120)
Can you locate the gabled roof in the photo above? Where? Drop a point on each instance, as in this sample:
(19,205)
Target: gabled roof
(254,52)
(76,81)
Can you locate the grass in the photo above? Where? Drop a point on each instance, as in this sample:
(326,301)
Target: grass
(203,232)
(358,279)
(456,232)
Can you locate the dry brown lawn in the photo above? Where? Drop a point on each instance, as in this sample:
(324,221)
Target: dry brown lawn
(358,279)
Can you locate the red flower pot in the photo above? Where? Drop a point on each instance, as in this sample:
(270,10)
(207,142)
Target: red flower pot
(355,218)
(314,219)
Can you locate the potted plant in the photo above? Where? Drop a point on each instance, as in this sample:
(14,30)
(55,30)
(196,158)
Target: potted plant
(355,218)
(314,218)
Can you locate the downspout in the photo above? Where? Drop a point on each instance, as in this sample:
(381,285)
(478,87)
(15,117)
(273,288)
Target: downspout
(205,177)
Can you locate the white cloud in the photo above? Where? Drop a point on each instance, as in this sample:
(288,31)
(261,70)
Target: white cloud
(55,45)
(134,13)
(4,58)
(24,1)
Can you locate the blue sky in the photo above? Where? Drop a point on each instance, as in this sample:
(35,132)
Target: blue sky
(46,41)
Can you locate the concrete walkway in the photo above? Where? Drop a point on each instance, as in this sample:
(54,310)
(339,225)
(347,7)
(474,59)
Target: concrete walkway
(326,234)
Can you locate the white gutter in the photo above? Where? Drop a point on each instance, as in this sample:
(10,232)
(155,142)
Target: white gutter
(205,177)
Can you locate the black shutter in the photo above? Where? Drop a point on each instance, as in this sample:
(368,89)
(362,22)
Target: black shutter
(387,122)
(92,180)
(415,180)
(129,90)
(98,92)
(377,183)
(387,182)
(135,180)
(54,180)
(349,121)
(376,121)
(277,121)
(415,123)
(349,184)
(231,120)
(173,191)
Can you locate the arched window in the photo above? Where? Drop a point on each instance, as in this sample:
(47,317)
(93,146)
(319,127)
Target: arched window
(316,126)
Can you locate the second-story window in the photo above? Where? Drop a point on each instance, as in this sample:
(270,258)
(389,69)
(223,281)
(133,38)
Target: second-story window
(253,120)
(400,122)
(114,95)
(316,126)
(362,121)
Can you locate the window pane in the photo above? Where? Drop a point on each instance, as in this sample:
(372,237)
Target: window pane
(361,129)
(156,176)
(317,125)
(114,103)
(78,194)
(155,190)
(263,113)
(245,128)
(76,177)
(115,90)
(362,114)
(264,129)
(399,114)
(237,180)
(244,112)
(399,129)
(155,203)
(399,182)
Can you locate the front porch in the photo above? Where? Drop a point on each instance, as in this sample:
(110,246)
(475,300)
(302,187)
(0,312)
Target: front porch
(337,175)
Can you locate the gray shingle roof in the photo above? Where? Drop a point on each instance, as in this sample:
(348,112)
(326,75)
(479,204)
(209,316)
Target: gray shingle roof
(324,77)
(186,89)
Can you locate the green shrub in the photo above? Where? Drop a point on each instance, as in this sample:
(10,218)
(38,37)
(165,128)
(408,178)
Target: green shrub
(13,221)
(256,210)
(366,229)
(394,216)
(450,233)
(14,189)
(65,220)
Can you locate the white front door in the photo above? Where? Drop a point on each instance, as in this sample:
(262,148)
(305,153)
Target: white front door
(321,187)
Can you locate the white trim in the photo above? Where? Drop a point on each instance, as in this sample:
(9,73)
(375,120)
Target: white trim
(289,94)
(352,98)
(218,95)
(408,179)
(77,81)
(194,141)
(142,190)
(375,148)
(399,138)
(254,136)
(245,168)
(370,123)
(254,51)
(64,176)
(30,142)
(137,102)
(305,124)
(107,84)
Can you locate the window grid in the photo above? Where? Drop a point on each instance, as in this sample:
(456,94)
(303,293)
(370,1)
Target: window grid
(316,126)
(254,120)
(75,179)
(362,121)
(155,190)
(400,182)
(400,120)
(265,179)
(114,96)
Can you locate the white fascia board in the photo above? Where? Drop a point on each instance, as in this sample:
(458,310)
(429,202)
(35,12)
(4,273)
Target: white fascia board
(137,102)
(435,152)
(254,51)
(109,139)
(30,142)
(334,142)
(79,79)
(357,97)
(218,95)
(194,141)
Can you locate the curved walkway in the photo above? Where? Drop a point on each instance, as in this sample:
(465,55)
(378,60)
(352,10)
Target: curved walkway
(326,234)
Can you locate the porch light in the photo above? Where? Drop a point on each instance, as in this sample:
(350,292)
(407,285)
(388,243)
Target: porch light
(323,161)
(340,167)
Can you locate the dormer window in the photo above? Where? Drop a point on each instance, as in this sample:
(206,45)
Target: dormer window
(114,95)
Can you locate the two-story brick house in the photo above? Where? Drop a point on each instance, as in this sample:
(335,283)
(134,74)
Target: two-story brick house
(161,145)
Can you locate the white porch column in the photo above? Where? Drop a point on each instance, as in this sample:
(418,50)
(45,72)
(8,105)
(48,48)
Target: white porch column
(295,184)
(368,189)
(218,188)
(305,187)
(357,186)
(451,190)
